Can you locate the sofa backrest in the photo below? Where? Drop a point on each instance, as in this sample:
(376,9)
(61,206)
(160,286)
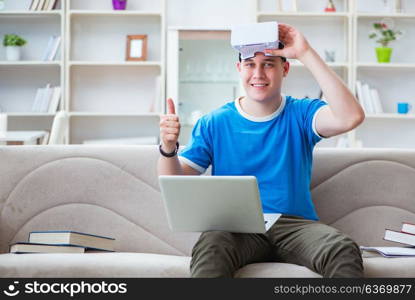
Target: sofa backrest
(364,191)
(113,191)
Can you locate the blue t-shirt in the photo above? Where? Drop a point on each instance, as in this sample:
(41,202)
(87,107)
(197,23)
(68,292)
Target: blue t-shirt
(276,149)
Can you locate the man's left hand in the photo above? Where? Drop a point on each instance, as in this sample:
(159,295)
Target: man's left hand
(295,44)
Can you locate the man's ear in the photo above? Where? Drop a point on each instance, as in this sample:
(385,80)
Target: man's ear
(286,68)
(238,66)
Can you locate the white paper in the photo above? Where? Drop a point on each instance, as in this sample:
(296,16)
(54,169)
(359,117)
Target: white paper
(391,251)
(270,219)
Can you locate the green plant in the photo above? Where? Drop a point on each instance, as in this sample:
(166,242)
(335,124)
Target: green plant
(13,40)
(384,34)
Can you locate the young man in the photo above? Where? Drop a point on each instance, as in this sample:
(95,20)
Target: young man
(271,137)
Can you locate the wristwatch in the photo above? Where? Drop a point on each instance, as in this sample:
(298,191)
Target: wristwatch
(171,154)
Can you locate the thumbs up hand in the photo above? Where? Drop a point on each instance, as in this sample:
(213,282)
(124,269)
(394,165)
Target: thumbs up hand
(169,128)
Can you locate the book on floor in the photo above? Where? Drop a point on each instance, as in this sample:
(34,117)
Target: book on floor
(399,237)
(20,248)
(391,251)
(73,238)
(408,228)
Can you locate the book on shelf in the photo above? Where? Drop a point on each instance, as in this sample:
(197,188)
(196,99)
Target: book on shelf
(21,248)
(34,5)
(391,251)
(54,100)
(40,99)
(408,228)
(51,5)
(399,237)
(368,98)
(73,238)
(359,94)
(52,48)
(47,99)
(40,4)
(43,5)
(374,96)
(48,48)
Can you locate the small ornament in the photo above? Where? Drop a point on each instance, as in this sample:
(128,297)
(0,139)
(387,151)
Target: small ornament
(330,7)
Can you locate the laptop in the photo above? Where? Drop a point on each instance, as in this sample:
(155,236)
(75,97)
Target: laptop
(205,203)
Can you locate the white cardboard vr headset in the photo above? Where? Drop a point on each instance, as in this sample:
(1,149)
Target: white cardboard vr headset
(251,38)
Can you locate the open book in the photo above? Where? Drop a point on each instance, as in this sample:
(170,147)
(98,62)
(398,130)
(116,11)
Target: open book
(391,251)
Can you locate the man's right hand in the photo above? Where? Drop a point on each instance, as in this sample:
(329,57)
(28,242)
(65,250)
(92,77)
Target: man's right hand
(169,128)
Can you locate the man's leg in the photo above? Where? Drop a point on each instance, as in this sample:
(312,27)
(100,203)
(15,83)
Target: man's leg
(319,247)
(220,254)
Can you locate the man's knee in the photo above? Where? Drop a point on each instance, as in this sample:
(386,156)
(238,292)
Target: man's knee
(213,255)
(343,257)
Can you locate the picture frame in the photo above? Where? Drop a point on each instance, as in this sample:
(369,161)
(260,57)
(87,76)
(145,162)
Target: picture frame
(136,49)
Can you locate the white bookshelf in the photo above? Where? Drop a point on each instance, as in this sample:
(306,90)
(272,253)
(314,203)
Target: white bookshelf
(388,129)
(19,80)
(106,97)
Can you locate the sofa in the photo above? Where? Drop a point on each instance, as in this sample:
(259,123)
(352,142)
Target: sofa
(113,191)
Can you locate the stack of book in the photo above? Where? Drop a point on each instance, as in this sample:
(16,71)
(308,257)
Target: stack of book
(63,242)
(47,99)
(52,48)
(43,5)
(405,236)
(368,98)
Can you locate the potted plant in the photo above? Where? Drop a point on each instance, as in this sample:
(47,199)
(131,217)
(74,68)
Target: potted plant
(384,34)
(119,4)
(13,44)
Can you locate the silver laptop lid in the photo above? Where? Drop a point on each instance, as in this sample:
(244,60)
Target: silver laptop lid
(204,203)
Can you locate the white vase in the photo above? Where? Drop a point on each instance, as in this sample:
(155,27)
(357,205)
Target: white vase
(13,52)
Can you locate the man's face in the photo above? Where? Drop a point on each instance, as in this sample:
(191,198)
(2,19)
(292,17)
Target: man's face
(262,76)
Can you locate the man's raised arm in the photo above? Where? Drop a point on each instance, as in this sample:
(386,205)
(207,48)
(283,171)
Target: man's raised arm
(343,112)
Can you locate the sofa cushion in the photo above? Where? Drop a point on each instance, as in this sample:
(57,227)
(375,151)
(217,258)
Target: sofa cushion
(274,270)
(378,266)
(374,266)
(155,265)
(93,265)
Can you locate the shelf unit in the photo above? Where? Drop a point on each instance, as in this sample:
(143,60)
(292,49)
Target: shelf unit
(19,80)
(346,31)
(106,97)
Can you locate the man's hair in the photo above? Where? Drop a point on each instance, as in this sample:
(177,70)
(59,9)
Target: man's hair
(284,59)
